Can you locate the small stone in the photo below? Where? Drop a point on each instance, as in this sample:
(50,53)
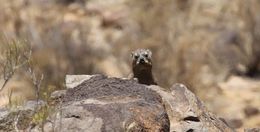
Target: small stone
(251,111)
(234,123)
(252,130)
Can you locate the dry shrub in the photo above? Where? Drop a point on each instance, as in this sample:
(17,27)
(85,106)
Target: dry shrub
(199,43)
(15,83)
(161,27)
(60,40)
(250,15)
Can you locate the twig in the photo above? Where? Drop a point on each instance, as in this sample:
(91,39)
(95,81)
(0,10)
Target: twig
(16,122)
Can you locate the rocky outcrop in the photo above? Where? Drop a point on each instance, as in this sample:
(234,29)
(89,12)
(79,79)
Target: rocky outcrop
(112,104)
(100,103)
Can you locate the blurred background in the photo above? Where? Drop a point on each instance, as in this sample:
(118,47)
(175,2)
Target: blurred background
(211,46)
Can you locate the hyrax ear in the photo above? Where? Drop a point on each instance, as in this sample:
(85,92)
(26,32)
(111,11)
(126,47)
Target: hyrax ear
(132,55)
(149,53)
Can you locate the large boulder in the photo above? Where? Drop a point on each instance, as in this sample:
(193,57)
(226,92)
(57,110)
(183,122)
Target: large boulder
(109,104)
(100,103)
(112,104)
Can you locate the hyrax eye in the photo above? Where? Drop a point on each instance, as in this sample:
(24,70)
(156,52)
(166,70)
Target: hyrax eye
(136,56)
(146,55)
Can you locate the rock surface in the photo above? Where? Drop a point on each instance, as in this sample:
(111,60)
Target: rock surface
(101,103)
(19,118)
(111,104)
(187,113)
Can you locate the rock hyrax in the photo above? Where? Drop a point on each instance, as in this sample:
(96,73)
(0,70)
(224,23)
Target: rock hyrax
(142,66)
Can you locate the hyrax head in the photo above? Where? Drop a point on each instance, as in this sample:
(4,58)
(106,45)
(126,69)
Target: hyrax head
(142,57)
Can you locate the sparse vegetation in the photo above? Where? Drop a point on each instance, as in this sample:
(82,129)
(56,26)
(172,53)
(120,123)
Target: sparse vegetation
(16,58)
(13,58)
